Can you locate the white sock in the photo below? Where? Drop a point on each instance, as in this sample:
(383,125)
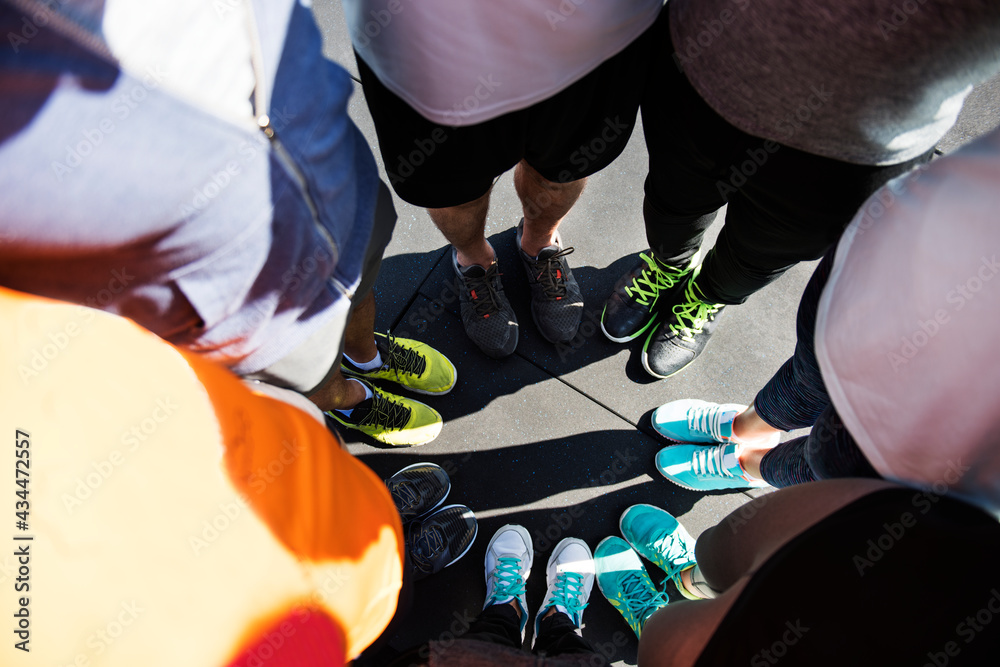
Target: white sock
(368,365)
(368,394)
(699,586)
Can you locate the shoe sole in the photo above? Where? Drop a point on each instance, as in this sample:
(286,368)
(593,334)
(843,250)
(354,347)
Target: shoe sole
(352,427)
(443,498)
(626,339)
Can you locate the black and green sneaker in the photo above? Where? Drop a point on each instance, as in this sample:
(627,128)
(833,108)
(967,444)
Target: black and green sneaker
(681,337)
(409,363)
(632,307)
(393,420)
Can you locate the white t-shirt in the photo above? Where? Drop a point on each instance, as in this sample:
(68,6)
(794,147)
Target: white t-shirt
(908,329)
(462,62)
(199,51)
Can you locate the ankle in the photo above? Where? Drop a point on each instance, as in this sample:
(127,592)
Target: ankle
(482,255)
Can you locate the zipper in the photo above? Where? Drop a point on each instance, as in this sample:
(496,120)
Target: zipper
(261,104)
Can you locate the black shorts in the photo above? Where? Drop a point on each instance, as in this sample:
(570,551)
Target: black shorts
(569,136)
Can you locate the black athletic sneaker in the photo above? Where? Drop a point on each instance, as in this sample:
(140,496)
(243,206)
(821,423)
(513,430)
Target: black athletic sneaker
(556,302)
(418,489)
(437,541)
(681,337)
(632,307)
(488,319)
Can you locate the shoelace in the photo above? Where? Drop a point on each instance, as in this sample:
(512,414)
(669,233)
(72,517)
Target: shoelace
(385,412)
(695,311)
(673,553)
(507,581)
(639,602)
(707,420)
(425,547)
(401,359)
(548,273)
(708,461)
(404,494)
(485,296)
(648,284)
(568,588)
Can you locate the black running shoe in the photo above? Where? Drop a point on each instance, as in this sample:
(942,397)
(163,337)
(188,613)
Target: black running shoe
(683,334)
(418,489)
(487,316)
(438,540)
(556,302)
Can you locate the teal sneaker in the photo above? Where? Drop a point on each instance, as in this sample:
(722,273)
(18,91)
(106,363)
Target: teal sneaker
(625,583)
(508,564)
(570,578)
(705,468)
(660,539)
(692,420)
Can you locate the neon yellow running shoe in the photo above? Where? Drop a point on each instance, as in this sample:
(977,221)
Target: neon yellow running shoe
(393,420)
(409,363)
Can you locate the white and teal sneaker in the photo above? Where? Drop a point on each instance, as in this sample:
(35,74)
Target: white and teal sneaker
(570,578)
(693,420)
(660,539)
(508,564)
(625,582)
(705,467)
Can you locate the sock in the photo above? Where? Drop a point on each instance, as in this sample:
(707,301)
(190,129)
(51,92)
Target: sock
(372,365)
(699,586)
(368,394)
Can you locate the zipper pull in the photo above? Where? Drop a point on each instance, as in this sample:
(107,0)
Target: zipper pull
(264,123)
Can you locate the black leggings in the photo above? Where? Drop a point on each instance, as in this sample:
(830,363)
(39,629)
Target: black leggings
(785,205)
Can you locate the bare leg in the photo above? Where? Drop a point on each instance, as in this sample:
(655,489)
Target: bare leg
(545,205)
(758,438)
(465,228)
(339,393)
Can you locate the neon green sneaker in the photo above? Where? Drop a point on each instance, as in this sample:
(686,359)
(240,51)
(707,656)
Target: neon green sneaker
(393,420)
(683,334)
(409,363)
(625,582)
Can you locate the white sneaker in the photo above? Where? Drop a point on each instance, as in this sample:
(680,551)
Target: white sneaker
(570,578)
(508,564)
